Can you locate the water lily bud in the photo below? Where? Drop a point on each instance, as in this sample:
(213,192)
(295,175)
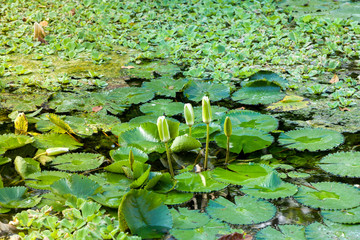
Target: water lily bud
(56,151)
(206,110)
(189,114)
(21,124)
(163,129)
(227,127)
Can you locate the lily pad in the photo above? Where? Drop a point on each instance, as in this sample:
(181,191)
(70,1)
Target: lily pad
(215,91)
(12,141)
(330,230)
(122,153)
(329,196)
(174,197)
(270,77)
(75,162)
(165,86)
(15,197)
(43,180)
(162,107)
(76,185)
(185,143)
(53,140)
(258,92)
(184,218)
(251,119)
(245,139)
(23,102)
(312,139)
(344,164)
(289,103)
(197,182)
(285,232)
(245,210)
(133,95)
(348,216)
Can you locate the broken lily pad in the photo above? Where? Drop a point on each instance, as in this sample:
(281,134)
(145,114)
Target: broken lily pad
(43,180)
(12,141)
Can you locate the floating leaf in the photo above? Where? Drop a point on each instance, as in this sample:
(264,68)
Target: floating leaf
(211,231)
(161,107)
(145,138)
(344,164)
(75,162)
(15,197)
(246,210)
(184,218)
(55,119)
(197,182)
(329,195)
(258,92)
(43,180)
(215,91)
(145,213)
(132,95)
(330,230)
(312,139)
(251,119)
(242,174)
(245,139)
(53,140)
(348,216)
(76,185)
(12,141)
(289,103)
(285,232)
(295,174)
(26,166)
(122,153)
(185,143)
(165,86)
(270,77)
(24,102)
(174,197)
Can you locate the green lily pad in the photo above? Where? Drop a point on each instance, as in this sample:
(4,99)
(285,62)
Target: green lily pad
(145,138)
(161,107)
(26,166)
(174,197)
(347,216)
(330,230)
(23,102)
(133,95)
(312,139)
(184,218)
(76,162)
(145,213)
(344,164)
(43,180)
(270,77)
(296,174)
(197,182)
(165,86)
(122,153)
(251,119)
(329,196)
(4,160)
(12,141)
(15,197)
(53,140)
(258,92)
(245,139)
(246,210)
(215,91)
(199,130)
(76,185)
(185,143)
(242,174)
(285,232)
(289,103)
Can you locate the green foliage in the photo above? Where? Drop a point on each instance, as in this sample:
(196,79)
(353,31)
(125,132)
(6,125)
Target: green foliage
(165,86)
(76,162)
(16,197)
(329,230)
(26,166)
(52,140)
(245,210)
(145,214)
(215,91)
(312,139)
(329,196)
(285,232)
(43,180)
(162,107)
(344,216)
(123,154)
(345,164)
(184,143)
(197,182)
(12,141)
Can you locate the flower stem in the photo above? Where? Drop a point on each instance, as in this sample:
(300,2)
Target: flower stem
(227,150)
(207,146)
(169,159)
(190,131)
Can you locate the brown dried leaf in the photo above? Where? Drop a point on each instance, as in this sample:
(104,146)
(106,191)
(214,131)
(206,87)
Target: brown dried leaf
(127,67)
(334,79)
(72,12)
(233,236)
(38,32)
(344,109)
(97,108)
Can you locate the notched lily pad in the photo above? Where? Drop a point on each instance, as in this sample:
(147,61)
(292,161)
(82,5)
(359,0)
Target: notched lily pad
(76,162)
(185,143)
(15,197)
(165,86)
(347,216)
(344,164)
(330,230)
(285,232)
(122,153)
(161,107)
(43,180)
(215,91)
(197,182)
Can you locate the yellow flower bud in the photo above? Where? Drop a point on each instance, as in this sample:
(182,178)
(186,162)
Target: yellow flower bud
(227,127)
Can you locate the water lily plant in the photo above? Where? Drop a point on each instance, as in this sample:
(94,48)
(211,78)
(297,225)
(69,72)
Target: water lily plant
(206,116)
(227,131)
(189,116)
(164,134)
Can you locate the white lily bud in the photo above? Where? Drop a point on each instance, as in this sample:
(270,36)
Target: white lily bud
(189,114)
(206,110)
